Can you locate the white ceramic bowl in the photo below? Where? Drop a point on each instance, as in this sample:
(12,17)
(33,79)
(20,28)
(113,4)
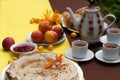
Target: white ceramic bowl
(22,49)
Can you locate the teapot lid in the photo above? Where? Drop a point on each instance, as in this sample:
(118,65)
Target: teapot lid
(91,6)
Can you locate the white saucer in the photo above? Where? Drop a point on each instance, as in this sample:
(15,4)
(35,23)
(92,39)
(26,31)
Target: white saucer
(68,54)
(99,56)
(103,39)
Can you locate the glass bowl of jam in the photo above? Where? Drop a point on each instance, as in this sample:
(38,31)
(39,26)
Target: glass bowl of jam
(23,47)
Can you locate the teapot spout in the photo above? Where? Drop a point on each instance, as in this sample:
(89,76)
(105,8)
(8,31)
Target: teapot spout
(76,22)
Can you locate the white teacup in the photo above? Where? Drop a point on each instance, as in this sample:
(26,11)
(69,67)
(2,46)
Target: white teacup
(113,35)
(110,51)
(79,48)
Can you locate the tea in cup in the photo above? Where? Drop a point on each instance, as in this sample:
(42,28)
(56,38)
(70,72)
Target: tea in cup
(79,48)
(113,35)
(110,51)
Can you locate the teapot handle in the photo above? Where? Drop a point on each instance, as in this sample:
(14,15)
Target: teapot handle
(98,8)
(110,15)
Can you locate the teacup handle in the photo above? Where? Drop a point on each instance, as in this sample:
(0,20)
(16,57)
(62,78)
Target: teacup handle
(110,15)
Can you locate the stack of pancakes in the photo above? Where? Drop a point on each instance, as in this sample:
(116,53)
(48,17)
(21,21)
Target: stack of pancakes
(32,67)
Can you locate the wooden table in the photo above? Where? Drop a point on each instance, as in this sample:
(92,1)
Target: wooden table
(93,69)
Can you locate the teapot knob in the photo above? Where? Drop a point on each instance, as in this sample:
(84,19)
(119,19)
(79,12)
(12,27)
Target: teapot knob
(91,5)
(91,2)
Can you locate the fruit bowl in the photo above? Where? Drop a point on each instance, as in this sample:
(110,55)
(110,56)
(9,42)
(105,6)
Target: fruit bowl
(43,43)
(23,47)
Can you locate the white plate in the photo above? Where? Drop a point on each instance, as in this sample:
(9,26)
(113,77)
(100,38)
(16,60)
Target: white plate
(103,39)
(80,72)
(89,56)
(64,25)
(17,44)
(99,56)
(44,43)
(3,73)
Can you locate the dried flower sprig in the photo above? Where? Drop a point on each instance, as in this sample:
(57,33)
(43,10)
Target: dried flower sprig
(58,58)
(56,18)
(49,64)
(52,62)
(53,18)
(47,15)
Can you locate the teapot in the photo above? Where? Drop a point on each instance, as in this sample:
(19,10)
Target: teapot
(91,25)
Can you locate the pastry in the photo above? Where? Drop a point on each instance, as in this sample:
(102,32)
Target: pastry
(42,66)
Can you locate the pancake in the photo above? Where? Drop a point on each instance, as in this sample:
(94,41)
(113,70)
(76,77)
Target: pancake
(35,67)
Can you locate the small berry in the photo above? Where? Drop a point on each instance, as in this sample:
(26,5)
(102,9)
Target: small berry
(50,47)
(73,35)
(40,48)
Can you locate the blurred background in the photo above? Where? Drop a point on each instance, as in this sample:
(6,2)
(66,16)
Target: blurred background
(110,6)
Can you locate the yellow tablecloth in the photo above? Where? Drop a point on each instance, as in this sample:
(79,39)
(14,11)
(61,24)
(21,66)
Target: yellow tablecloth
(14,22)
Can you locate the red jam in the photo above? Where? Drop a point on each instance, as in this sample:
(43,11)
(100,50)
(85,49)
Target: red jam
(24,48)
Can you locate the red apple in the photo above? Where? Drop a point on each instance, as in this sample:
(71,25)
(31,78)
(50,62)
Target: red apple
(45,26)
(37,36)
(7,42)
(51,36)
(58,30)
